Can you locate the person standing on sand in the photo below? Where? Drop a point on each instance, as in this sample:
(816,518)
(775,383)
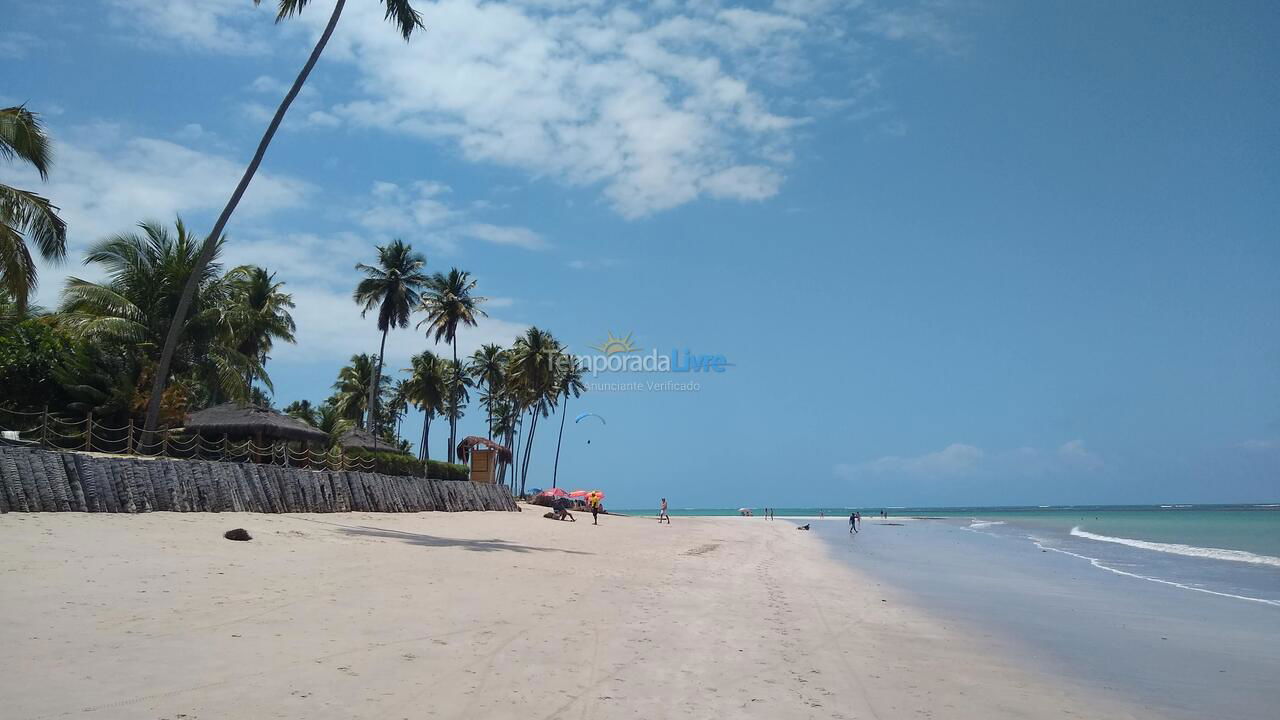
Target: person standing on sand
(853,519)
(662,513)
(594,504)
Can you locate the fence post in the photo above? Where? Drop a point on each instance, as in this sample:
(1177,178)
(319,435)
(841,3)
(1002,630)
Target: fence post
(164,443)
(226,447)
(88,432)
(128,448)
(44,427)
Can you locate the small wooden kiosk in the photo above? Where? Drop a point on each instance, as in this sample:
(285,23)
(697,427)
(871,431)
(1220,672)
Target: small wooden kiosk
(484,455)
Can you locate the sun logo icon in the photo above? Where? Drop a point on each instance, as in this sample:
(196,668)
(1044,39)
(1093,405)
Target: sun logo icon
(613,345)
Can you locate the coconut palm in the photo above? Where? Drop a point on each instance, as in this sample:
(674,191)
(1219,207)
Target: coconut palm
(392,287)
(448,303)
(351,390)
(145,275)
(24,215)
(302,410)
(426,389)
(406,20)
(487,368)
(533,372)
(568,384)
(259,313)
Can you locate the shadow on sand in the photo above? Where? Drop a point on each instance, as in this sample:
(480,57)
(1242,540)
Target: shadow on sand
(493,545)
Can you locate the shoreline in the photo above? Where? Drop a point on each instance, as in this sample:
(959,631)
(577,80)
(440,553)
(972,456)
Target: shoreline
(477,614)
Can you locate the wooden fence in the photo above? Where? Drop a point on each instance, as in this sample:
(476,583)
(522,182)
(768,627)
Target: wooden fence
(36,480)
(53,432)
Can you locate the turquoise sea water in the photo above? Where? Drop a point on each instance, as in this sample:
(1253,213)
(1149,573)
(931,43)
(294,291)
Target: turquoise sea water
(1232,551)
(1253,528)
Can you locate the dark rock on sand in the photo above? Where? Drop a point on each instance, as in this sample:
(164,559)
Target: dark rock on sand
(237,534)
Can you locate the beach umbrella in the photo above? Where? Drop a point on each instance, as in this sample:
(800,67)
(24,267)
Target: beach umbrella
(554,493)
(579,494)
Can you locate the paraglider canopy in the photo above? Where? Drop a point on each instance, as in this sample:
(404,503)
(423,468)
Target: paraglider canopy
(587,415)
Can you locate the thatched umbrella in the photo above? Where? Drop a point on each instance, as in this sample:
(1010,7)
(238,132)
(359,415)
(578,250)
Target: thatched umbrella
(358,438)
(238,420)
(471,441)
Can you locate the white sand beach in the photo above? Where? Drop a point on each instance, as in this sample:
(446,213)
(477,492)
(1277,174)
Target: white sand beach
(486,615)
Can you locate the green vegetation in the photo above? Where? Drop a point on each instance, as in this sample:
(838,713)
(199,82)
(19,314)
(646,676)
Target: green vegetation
(396,463)
(112,350)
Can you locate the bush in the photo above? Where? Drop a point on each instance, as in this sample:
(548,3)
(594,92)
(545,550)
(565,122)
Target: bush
(447,471)
(394,463)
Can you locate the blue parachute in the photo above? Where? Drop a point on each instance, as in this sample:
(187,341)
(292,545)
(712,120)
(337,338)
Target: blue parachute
(587,415)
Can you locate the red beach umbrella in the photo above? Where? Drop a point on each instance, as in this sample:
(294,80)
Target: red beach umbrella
(553,493)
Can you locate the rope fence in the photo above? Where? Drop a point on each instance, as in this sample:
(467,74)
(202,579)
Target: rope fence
(51,431)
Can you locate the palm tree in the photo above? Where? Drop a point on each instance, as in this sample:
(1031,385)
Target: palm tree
(448,302)
(25,215)
(397,405)
(534,372)
(302,410)
(259,314)
(352,388)
(392,287)
(487,368)
(569,383)
(406,19)
(132,308)
(425,388)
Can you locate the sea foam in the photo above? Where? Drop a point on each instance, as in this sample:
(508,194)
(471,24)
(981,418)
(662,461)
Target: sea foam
(1180,549)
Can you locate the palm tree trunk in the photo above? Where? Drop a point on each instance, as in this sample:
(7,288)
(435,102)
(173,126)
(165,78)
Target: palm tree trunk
(528,449)
(453,408)
(210,242)
(422,447)
(373,389)
(426,438)
(555,472)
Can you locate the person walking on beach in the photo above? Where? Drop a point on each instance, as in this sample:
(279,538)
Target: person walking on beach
(853,519)
(594,503)
(662,513)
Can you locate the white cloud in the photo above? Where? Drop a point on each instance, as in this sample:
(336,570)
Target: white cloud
(920,26)
(330,330)
(1259,445)
(422,209)
(106,182)
(593,264)
(656,108)
(962,460)
(236,27)
(17,45)
(504,235)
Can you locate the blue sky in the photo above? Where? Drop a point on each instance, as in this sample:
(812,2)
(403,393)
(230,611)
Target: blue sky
(957,252)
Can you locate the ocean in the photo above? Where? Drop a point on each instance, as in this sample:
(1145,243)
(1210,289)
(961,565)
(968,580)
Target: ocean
(1175,608)
(1231,550)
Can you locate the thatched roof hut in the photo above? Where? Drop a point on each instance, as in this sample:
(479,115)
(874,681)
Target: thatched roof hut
(239,420)
(471,441)
(357,438)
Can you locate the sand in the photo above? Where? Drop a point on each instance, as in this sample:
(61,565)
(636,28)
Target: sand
(485,615)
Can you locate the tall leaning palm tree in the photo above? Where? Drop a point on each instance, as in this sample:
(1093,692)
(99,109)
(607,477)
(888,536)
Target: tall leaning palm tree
(25,215)
(448,303)
(406,20)
(392,287)
(258,314)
